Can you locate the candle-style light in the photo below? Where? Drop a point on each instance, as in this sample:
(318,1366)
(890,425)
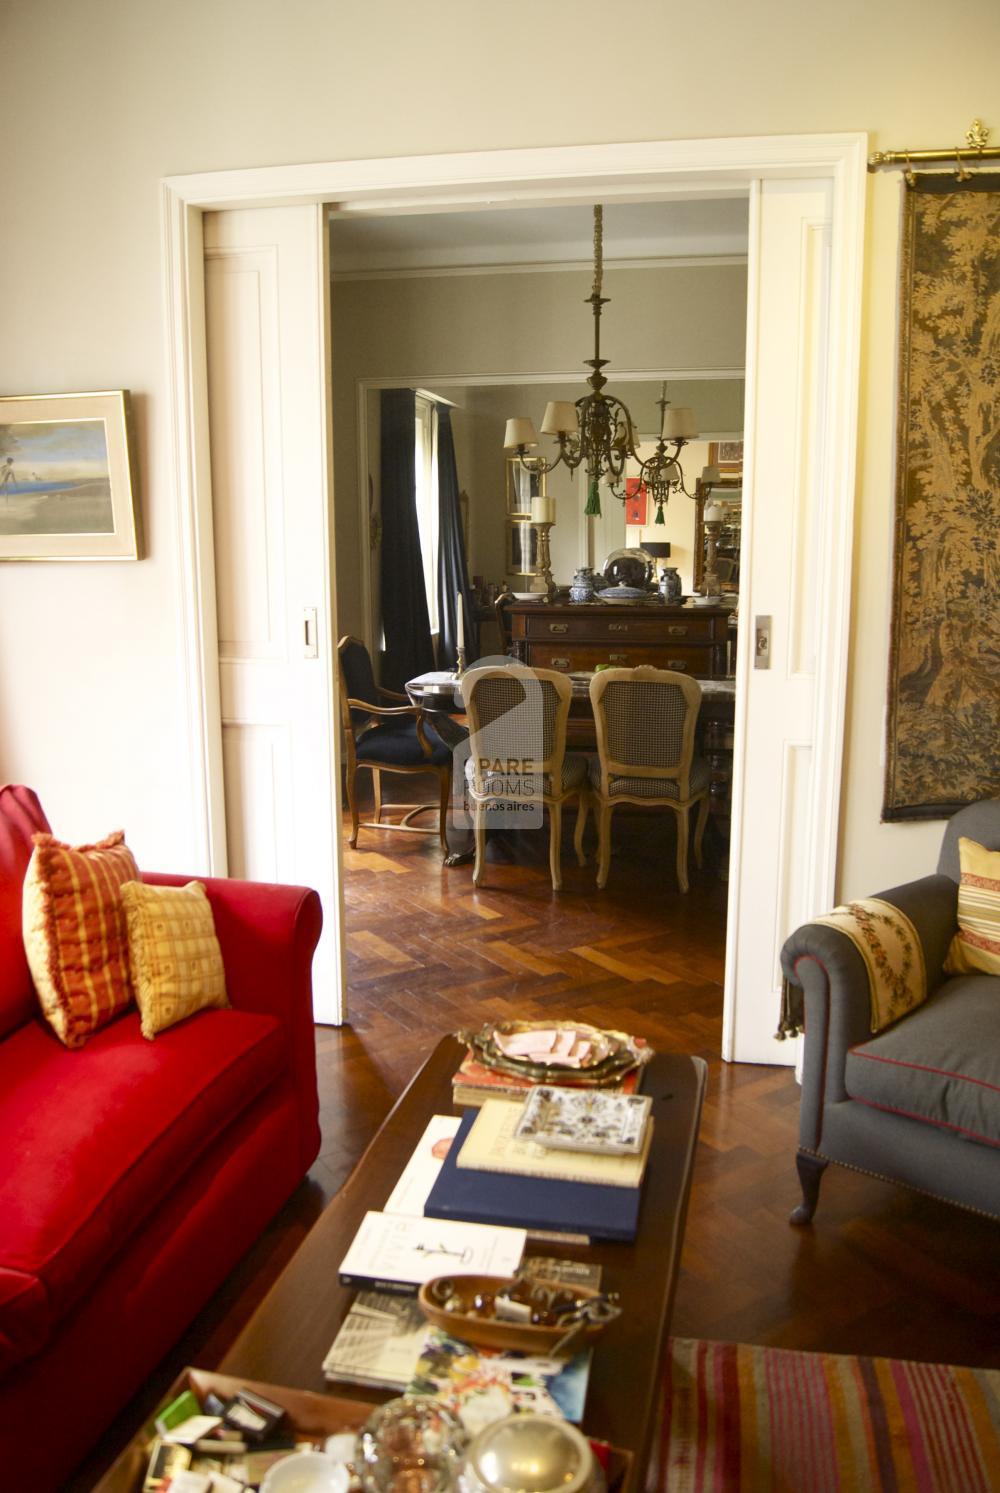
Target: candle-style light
(662,473)
(597,431)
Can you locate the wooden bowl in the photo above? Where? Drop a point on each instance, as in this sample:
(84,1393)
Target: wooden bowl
(487,1332)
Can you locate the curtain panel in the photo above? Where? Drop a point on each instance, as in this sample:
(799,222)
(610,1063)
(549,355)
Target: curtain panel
(408,650)
(453,569)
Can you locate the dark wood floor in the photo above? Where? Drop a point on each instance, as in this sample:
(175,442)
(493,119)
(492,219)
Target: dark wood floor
(881,1271)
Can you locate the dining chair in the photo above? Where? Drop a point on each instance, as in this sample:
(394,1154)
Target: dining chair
(517,739)
(645,720)
(397,738)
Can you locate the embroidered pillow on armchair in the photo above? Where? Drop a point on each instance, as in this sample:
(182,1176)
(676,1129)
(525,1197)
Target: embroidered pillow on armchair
(975,949)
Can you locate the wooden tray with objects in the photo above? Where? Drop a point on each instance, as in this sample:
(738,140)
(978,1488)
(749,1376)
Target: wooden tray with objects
(311,1416)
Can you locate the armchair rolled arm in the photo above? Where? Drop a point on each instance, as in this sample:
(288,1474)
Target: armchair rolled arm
(831,973)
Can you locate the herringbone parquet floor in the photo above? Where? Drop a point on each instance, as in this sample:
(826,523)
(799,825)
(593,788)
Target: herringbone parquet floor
(881,1271)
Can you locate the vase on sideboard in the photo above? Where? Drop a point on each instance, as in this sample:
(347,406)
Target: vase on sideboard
(582,588)
(670,588)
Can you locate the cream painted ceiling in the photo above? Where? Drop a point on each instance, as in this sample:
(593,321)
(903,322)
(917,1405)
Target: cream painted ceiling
(678,228)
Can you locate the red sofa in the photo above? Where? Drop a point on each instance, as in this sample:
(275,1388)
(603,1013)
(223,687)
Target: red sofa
(133,1174)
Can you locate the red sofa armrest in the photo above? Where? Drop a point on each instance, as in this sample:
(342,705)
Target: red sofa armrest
(268,934)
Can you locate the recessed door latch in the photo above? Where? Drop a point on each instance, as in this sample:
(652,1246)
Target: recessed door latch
(762,643)
(310,643)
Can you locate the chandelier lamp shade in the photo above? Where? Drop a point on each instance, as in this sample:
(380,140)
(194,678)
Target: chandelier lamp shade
(598,433)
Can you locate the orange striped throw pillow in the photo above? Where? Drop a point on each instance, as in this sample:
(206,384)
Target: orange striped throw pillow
(975,949)
(74,932)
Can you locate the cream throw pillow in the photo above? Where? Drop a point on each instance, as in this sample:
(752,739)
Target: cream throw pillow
(975,949)
(175,955)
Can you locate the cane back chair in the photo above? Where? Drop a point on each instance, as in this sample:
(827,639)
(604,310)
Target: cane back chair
(646,721)
(517,740)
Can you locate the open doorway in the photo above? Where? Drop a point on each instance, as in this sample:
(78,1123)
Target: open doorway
(429,302)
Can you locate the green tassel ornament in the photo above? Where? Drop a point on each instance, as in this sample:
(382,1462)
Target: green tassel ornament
(593,508)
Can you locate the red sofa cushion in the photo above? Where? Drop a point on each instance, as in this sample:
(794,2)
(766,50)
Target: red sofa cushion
(93,1139)
(21,816)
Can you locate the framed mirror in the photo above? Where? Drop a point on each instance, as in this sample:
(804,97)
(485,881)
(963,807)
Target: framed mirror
(729,494)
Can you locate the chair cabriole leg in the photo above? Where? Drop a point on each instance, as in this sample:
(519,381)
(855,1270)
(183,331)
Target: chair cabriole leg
(582,810)
(604,844)
(810,1170)
(682,849)
(479,829)
(352,803)
(555,844)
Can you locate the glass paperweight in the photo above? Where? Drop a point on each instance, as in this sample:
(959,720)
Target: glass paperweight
(410,1445)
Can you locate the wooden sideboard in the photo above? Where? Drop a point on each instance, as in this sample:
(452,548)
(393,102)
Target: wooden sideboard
(577,636)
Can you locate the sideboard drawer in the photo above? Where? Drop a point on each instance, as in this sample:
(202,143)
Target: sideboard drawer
(592,625)
(567,658)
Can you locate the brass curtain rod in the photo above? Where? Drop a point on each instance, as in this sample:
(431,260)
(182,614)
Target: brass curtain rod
(975,150)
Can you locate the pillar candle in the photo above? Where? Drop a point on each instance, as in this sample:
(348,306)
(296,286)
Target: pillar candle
(543,510)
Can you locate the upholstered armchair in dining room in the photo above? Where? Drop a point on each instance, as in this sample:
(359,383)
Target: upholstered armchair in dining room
(395,738)
(517,739)
(645,720)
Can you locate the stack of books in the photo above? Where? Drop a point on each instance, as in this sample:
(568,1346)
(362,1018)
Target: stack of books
(474,1082)
(494,1175)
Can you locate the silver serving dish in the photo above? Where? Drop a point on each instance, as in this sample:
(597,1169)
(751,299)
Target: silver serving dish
(531,1454)
(630,594)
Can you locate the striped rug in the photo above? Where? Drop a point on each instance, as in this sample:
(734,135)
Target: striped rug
(744,1419)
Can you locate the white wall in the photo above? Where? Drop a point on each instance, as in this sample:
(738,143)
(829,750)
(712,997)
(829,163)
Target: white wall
(102,98)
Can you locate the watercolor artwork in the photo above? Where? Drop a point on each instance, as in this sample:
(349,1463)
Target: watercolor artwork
(65,478)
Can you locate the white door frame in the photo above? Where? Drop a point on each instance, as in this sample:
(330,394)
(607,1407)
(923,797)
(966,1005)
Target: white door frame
(564,174)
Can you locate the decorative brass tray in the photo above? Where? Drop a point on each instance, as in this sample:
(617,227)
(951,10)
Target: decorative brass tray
(616,1053)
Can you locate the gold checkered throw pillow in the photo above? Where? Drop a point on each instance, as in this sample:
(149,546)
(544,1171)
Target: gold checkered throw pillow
(175,955)
(975,949)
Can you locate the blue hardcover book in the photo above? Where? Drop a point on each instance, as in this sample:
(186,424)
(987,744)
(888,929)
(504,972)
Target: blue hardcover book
(530,1202)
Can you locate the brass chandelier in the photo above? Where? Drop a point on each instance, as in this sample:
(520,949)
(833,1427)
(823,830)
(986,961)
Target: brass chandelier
(598,432)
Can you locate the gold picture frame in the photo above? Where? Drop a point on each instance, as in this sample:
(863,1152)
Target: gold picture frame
(67,489)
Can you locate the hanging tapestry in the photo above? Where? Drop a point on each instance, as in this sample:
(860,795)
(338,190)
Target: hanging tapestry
(943,722)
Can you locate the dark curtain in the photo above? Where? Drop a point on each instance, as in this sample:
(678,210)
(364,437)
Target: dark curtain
(453,572)
(408,649)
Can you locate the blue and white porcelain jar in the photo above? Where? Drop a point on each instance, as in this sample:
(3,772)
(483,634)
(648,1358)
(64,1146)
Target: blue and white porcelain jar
(582,588)
(670,587)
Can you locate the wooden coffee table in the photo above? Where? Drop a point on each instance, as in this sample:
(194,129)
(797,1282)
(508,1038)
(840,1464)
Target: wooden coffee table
(287,1339)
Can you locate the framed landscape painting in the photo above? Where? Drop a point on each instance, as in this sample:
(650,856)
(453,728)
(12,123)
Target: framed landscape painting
(66,478)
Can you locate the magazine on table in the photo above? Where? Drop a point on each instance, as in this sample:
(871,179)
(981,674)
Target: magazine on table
(482,1385)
